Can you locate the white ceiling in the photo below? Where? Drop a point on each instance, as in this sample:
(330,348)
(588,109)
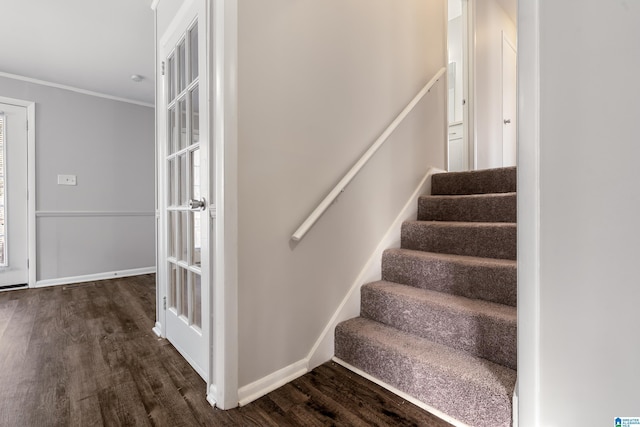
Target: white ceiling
(94,45)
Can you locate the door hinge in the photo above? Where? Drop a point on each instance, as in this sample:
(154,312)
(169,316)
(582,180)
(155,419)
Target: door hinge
(164,302)
(163,68)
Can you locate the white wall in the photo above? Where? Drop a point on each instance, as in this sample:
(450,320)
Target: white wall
(491,21)
(318,82)
(588,289)
(106,222)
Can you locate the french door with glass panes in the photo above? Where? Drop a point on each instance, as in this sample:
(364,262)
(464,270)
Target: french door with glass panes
(185,177)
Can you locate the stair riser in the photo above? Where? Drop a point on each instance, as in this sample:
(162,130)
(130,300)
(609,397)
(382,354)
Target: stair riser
(490,208)
(452,394)
(492,338)
(477,280)
(475,182)
(490,241)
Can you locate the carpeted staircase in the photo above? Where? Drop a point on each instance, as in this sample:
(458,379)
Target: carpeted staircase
(441,324)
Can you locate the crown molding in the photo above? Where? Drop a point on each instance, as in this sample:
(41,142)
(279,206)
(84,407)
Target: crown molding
(74,89)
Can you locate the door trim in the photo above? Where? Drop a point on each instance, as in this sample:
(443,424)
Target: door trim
(31,184)
(222,41)
(469,79)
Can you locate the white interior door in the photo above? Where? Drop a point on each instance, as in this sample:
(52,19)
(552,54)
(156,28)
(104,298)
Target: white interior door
(509,100)
(13,196)
(184,179)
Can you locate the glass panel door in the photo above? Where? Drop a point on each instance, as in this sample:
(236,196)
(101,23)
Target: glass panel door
(186,224)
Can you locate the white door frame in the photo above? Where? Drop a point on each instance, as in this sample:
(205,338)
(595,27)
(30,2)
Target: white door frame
(223,39)
(528,110)
(31,183)
(469,78)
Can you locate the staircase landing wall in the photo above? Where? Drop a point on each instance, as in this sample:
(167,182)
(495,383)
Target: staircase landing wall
(318,82)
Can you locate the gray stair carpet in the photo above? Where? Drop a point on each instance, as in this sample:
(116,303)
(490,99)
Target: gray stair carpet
(440,325)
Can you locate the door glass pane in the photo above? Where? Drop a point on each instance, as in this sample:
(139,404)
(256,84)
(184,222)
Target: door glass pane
(195,174)
(184,224)
(172,286)
(182,77)
(193,52)
(173,131)
(195,115)
(184,293)
(195,238)
(3,199)
(171,249)
(182,112)
(183,194)
(171,181)
(171,77)
(196,300)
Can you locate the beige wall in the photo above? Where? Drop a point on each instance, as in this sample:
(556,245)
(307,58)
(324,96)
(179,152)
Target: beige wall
(318,82)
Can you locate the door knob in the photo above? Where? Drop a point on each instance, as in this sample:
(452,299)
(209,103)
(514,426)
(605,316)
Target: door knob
(507,121)
(197,205)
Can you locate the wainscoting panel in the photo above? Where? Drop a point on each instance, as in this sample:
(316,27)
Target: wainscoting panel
(80,243)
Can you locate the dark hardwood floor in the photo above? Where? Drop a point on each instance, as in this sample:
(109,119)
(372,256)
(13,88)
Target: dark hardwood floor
(84,355)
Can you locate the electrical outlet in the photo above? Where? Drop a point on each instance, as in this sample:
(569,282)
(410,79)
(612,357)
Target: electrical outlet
(66,180)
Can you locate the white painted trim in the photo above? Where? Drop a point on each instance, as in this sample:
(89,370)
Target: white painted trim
(402,394)
(470,80)
(171,34)
(211,395)
(529,409)
(75,214)
(31,184)
(95,277)
(323,349)
(157,329)
(74,89)
(259,388)
(154,5)
(12,288)
(223,93)
(31,188)
(362,161)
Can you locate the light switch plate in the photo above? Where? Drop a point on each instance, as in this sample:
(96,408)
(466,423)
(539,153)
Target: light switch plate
(66,180)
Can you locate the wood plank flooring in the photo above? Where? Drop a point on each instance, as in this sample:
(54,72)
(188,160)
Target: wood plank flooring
(84,355)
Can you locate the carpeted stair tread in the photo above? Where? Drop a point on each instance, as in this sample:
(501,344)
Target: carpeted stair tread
(496,207)
(471,389)
(488,279)
(481,239)
(481,328)
(501,180)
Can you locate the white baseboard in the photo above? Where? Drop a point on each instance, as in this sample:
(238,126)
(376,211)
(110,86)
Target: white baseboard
(95,277)
(402,394)
(323,349)
(157,329)
(257,389)
(211,395)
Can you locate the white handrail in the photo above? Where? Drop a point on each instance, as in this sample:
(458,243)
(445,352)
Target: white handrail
(340,187)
